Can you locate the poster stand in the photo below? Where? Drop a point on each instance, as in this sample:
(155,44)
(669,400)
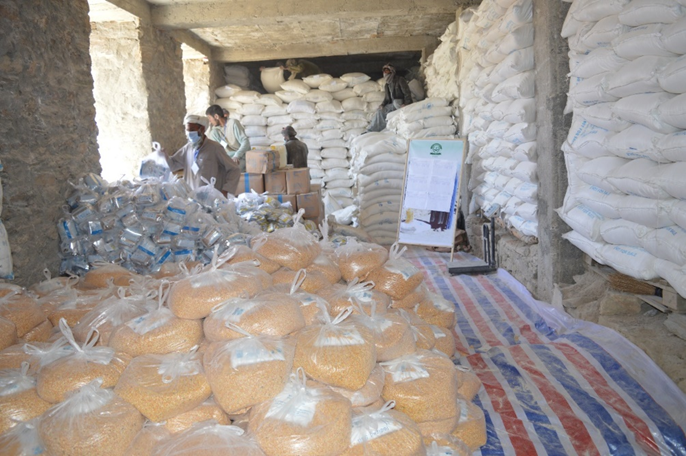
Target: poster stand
(431,189)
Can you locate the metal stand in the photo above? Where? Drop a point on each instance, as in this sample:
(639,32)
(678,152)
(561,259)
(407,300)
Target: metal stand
(488,264)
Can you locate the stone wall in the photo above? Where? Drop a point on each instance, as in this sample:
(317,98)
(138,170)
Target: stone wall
(48,131)
(196,77)
(163,72)
(216,78)
(121,103)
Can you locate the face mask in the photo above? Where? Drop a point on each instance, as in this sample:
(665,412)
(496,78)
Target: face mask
(193,136)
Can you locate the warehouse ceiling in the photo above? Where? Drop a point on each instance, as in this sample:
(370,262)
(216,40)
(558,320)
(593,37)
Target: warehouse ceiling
(262,30)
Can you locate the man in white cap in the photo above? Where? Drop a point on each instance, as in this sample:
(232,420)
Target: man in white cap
(201,158)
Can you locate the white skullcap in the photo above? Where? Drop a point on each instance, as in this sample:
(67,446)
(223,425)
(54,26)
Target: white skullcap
(192,118)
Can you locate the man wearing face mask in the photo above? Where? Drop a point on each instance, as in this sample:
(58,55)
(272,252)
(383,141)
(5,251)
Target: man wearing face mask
(229,133)
(201,159)
(398,95)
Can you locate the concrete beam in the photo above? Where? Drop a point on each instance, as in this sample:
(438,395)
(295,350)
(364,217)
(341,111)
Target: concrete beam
(193,41)
(348,47)
(230,13)
(138,8)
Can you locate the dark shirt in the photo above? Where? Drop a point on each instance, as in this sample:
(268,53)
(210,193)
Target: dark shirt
(397,89)
(296,152)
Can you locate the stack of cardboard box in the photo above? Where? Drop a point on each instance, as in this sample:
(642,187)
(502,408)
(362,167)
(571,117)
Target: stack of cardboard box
(267,172)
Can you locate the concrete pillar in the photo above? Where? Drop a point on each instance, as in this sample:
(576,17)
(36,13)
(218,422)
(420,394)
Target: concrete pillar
(559,260)
(48,131)
(121,98)
(161,57)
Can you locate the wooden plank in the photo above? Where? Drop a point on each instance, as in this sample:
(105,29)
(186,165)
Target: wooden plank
(654,301)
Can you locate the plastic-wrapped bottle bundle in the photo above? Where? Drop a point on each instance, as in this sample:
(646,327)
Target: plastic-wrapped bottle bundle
(146,224)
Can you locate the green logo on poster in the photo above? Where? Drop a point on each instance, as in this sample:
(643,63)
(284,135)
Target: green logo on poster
(436,149)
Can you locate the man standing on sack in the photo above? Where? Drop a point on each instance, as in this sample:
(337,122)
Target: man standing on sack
(296,150)
(202,159)
(398,95)
(229,133)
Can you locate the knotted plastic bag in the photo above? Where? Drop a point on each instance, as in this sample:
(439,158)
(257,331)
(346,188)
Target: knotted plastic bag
(22,440)
(312,306)
(384,432)
(341,297)
(91,422)
(210,439)
(270,313)
(393,336)
(158,331)
(18,399)
(247,371)
(423,385)
(81,366)
(194,296)
(436,310)
(338,353)
(397,277)
(163,386)
(357,259)
(304,418)
(294,248)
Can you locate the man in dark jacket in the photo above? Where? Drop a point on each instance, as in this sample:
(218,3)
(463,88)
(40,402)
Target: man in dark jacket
(398,95)
(296,150)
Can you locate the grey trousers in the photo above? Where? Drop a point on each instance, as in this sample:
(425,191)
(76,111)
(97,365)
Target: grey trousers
(378,122)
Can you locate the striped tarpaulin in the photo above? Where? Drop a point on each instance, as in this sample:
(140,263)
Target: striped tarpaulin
(552,384)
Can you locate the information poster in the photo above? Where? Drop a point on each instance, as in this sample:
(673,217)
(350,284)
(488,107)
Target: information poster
(430,192)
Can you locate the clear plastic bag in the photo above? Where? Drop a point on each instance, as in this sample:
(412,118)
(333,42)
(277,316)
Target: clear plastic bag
(22,440)
(469,383)
(424,335)
(357,259)
(101,275)
(151,436)
(208,410)
(312,282)
(210,439)
(91,422)
(445,341)
(70,305)
(247,371)
(340,297)
(163,386)
(8,333)
(113,312)
(50,284)
(22,310)
(369,393)
(325,264)
(412,299)
(157,332)
(82,365)
(338,353)
(384,432)
(305,418)
(397,277)
(423,385)
(445,445)
(471,426)
(244,253)
(154,165)
(437,310)
(294,248)
(18,399)
(272,314)
(194,296)
(393,336)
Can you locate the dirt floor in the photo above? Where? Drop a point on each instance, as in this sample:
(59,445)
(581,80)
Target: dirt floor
(591,299)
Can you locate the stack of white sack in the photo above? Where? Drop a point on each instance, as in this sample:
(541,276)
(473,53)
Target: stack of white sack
(428,118)
(499,109)
(326,112)
(441,67)
(378,162)
(237,75)
(625,153)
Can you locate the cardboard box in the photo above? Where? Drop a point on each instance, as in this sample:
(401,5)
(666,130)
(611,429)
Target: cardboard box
(261,161)
(288,199)
(275,183)
(312,203)
(283,155)
(297,181)
(251,181)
